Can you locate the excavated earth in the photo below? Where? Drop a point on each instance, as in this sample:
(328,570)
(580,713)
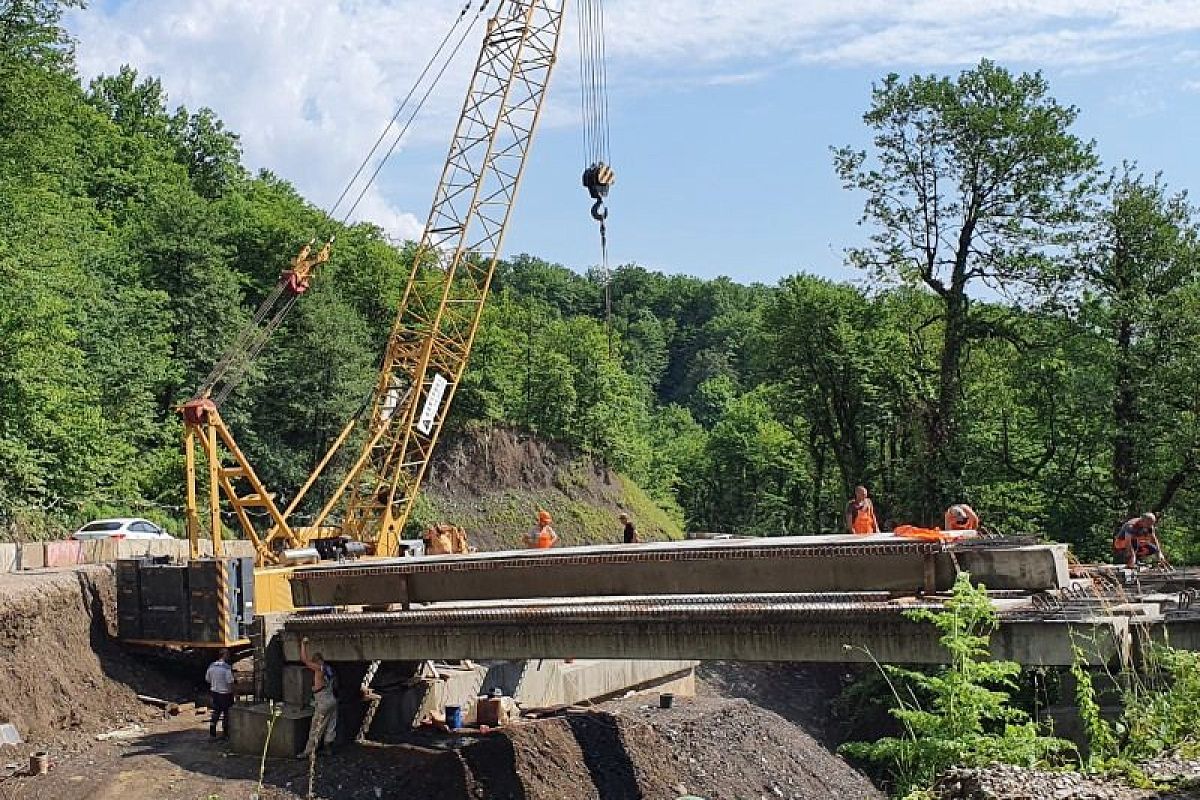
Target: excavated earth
(60,671)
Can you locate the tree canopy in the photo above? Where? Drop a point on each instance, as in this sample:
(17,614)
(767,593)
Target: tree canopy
(1024,338)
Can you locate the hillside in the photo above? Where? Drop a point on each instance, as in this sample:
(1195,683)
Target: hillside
(493,481)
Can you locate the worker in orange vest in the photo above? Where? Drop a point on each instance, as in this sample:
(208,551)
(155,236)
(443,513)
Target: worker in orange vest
(1138,538)
(542,536)
(961,517)
(860,513)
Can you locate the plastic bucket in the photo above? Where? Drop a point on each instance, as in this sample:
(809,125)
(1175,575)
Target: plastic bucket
(666,700)
(454,717)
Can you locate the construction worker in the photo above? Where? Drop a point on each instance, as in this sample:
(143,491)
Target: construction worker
(860,513)
(629,534)
(961,517)
(1138,538)
(543,536)
(324,721)
(219,677)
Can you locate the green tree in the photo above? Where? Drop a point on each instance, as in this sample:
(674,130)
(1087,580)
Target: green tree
(974,181)
(1142,279)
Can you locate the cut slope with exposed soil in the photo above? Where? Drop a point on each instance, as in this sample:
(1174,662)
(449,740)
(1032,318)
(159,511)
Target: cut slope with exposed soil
(493,481)
(59,671)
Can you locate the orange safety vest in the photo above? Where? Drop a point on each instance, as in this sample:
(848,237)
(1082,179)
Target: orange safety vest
(545,538)
(864,518)
(1137,538)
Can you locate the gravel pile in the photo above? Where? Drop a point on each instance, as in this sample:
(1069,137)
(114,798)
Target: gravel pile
(1005,782)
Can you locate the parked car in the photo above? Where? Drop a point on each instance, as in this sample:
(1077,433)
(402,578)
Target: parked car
(120,528)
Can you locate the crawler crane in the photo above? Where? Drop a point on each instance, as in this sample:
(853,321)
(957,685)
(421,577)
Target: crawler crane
(425,354)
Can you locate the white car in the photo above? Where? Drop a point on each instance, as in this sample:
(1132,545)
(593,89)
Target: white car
(120,528)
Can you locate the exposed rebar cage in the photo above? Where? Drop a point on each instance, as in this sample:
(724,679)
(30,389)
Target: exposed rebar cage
(452,272)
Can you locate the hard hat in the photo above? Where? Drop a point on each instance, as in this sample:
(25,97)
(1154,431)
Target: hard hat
(544,518)
(1149,517)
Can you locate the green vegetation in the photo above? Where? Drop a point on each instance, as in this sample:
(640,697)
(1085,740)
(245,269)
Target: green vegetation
(961,715)
(1159,708)
(1026,344)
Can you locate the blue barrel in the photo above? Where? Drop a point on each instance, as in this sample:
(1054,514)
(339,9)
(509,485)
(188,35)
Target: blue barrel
(454,718)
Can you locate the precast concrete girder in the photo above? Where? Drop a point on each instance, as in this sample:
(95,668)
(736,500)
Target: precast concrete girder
(805,632)
(881,562)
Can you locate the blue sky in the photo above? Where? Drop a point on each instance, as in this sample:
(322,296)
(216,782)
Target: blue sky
(722,111)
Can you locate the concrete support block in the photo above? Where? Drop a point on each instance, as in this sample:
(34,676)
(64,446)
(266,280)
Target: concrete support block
(31,555)
(133,548)
(8,557)
(297,685)
(64,554)
(1031,568)
(239,548)
(544,683)
(100,551)
(249,725)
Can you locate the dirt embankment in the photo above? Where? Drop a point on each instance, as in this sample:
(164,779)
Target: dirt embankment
(493,481)
(59,671)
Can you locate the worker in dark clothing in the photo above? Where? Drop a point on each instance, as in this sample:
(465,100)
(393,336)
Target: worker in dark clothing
(220,684)
(1138,538)
(630,532)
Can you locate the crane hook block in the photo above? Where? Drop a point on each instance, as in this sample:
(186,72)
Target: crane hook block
(296,279)
(598,179)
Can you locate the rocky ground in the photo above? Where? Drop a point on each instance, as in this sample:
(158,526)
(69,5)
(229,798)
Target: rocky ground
(1003,782)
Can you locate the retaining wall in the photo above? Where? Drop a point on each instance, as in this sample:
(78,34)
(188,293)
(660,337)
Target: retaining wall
(68,553)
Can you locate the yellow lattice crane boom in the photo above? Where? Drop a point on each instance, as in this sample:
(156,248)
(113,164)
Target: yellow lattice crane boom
(439,314)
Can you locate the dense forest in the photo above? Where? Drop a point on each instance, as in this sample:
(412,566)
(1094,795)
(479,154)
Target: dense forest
(1023,337)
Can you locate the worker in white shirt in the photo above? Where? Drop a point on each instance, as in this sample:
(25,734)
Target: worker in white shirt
(220,683)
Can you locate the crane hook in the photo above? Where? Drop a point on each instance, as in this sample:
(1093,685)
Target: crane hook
(599,210)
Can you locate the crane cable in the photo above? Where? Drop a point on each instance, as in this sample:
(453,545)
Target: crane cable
(598,174)
(483,4)
(235,361)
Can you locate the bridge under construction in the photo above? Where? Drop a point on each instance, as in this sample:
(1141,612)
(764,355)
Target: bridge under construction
(819,599)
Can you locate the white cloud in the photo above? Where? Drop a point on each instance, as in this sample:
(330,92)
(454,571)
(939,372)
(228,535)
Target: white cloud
(308,83)
(1191,86)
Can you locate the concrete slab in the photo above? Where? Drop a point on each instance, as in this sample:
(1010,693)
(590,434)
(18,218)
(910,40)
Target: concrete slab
(10,735)
(249,727)
(31,555)
(543,683)
(133,548)
(64,554)
(100,551)
(8,557)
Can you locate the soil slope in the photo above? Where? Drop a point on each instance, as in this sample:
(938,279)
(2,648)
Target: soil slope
(492,482)
(59,670)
